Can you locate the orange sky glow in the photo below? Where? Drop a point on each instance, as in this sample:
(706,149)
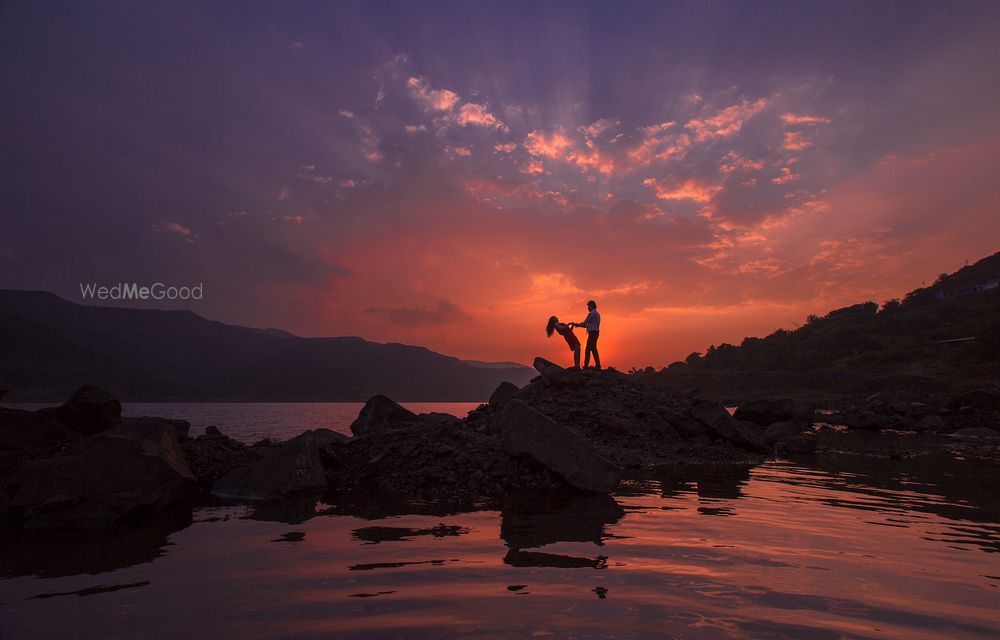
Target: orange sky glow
(454,187)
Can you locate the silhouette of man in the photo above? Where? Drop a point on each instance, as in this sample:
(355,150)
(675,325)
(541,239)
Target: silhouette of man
(593,326)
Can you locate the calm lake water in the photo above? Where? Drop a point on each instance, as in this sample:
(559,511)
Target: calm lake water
(253,421)
(844,547)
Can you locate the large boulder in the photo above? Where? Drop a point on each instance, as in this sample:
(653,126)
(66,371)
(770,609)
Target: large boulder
(556,375)
(675,422)
(33,431)
(765,412)
(103,480)
(381,413)
(525,431)
(89,410)
(292,468)
(930,423)
(855,418)
(721,424)
(502,394)
(779,431)
(327,439)
(982,399)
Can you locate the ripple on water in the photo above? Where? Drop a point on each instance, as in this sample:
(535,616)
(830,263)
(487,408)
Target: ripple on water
(846,548)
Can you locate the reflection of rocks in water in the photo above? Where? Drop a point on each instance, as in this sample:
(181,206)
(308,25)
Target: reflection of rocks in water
(971,496)
(291,536)
(394,565)
(716,511)
(535,520)
(707,480)
(375,506)
(518,558)
(374,535)
(722,481)
(91,591)
(97,552)
(290,510)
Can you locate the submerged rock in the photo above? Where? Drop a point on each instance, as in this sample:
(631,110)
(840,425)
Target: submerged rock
(525,431)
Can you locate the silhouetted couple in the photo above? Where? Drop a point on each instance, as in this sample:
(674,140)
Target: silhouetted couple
(593,326)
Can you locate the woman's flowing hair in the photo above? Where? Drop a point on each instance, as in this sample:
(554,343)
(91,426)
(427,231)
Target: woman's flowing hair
(551,326)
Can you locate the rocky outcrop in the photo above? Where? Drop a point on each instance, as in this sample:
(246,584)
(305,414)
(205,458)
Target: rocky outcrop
(292,468)
(723,425)
(553,374)
(33,432)
(568,431)
(525,431)
(105,479)
(504,392)
(381,413)
(88,410)
(213,455)
(765,412)
(981,399)
(779,431)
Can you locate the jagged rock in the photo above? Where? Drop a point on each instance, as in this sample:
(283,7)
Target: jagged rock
(778,431)
(435,418)
(294,467)
(556,375)
(721,424)
(855,418)
(106,478)
(381,413)
(33,431)
(977,432)
(525,431)
(930,423)
(88,410)
(325,438)
(765,412)
(215,454)
(502,394)
(981,399)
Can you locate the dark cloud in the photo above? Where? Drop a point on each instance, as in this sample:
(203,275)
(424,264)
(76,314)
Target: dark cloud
(446,312)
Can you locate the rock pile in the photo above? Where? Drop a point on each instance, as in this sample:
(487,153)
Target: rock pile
(568,431)
(974,413)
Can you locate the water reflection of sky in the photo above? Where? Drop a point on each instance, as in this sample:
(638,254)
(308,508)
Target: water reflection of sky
(850,547)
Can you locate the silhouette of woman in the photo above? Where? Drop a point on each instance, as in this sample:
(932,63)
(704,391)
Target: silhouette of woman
(565,331)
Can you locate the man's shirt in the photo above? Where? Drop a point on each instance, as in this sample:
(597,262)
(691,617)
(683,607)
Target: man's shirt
(593,321)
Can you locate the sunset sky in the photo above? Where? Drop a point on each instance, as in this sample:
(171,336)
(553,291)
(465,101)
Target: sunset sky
(451,174)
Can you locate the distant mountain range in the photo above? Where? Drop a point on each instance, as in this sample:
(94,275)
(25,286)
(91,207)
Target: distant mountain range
(49,347)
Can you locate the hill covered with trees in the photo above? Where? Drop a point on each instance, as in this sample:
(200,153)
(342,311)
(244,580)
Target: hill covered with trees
(945,336)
